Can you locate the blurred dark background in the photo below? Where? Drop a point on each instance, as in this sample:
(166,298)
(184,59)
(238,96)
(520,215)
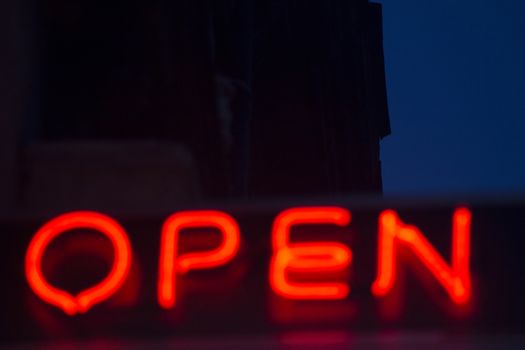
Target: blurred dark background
(127,104)
(166,102)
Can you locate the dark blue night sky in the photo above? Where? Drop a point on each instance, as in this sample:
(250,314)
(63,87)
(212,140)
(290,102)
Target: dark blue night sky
(456,85)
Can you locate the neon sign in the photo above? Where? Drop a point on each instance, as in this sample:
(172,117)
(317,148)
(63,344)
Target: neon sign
(308,257)
(81,303)
(313,259)
(170,264)
(455,279)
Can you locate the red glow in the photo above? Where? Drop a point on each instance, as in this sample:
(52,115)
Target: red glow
(455,279)
(91,296)
(170,264)
(308,257)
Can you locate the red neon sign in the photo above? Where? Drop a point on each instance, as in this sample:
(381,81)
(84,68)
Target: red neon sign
(308,257)
(325,260)
(170,264)
(86,299)
(455,278)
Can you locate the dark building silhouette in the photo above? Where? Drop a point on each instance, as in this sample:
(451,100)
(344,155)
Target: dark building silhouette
(165,101)
(320,97)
